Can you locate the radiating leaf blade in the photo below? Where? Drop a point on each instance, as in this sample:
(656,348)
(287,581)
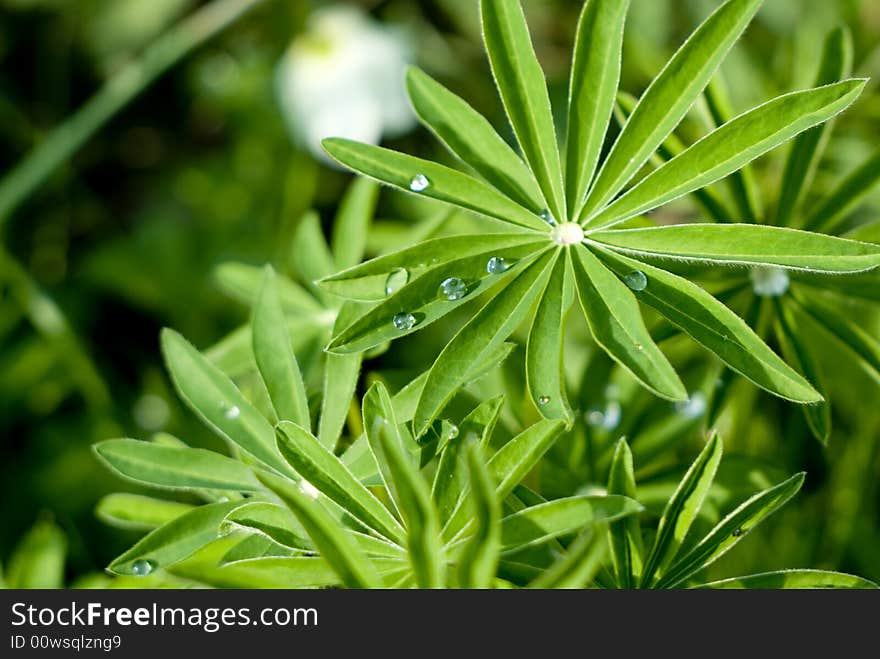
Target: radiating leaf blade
(794,579)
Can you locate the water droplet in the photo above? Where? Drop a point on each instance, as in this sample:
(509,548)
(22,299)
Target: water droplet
(639,347)
(232,413)
(636,280)
(543,400)
(496,265)
(453,288)
(419,183)
(567,233)
(769,281)
(308,489)
(142,567)
(451,430)
(222,499)
(693,407)
(547,216)
(404,321)
(607,419)
(397,279)
(737,533)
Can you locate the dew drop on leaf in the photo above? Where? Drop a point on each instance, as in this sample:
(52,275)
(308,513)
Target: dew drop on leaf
(451,430)
(232,413)
(141,567)
(453,288)
(543,400)
(403,321)
(397,279)
(737,533)
(639,347)
(636,280)
(419,183)
(496,265)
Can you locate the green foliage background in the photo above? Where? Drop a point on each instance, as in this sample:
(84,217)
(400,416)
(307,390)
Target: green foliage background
(199,170)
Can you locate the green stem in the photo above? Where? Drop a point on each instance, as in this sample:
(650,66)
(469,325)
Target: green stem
(117,92)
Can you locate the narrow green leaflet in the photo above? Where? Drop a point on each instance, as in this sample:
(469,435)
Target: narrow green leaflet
(214,398)
(682,509)
(579,565)
(341,374)
(333,541)
(137,512)
(730,531)
(523,90)
(473,139)
(429,179)
(256,546)
(274,355)
(625,535)
(715,327)
(478,562)
(329,475)
(38,560)
(545,373)
(616,323)
(487,329)
(538,524)
(794,579)
(727,149)
(668,98)
(243,282)
(830,211)
(745,244)
(175,540)
(806,151)
(177,468)
(272,521)
(595,74)
(356,210)
(310,256)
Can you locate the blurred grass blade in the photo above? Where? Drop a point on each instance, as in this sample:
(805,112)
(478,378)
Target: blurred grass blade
(478,562)
(488,328)
(830,212)
(242,282)
(175,540)
(333,541)
(440,182)
(272,521)
(730,531)
(595,74)
(668,98)
(274,355)
(682,510)
(38,559)
(310,256)
(471,137)
(329,475)
(579,565)
(545,374)
(523,90)
(794,579)
(806,151)
(745,244)
(176,468)
(616,323)
(625,535)
(349,239)
(731,146)
(717,328)
(137,512)
(217,401)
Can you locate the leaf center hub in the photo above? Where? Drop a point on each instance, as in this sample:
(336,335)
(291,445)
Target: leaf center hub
(567,233)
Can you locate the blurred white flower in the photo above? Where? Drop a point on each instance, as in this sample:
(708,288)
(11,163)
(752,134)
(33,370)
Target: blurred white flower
(344,77)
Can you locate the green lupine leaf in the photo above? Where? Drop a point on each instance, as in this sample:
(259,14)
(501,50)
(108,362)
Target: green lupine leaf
(668,98)
(806,151)
(217,401)
(538,524)
(243,282)
(349,239)
(174,541)
(625,535)
(444,184)
(794,579)
(545,373)
(616,323)
(272,521)
(682,510)
(329,475)
(745,244)
(370,281)
(424,300)
(730,531)
(828,213)
(341,373)
(333,541)
(478,562)
(176,468)
(579,565)
(487,329)
(471,137)
(135,511)
(731,146)
(523,90)
(310,256)
(254,547)
(38,559)
(717,328)
(274,355)
(595,73)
